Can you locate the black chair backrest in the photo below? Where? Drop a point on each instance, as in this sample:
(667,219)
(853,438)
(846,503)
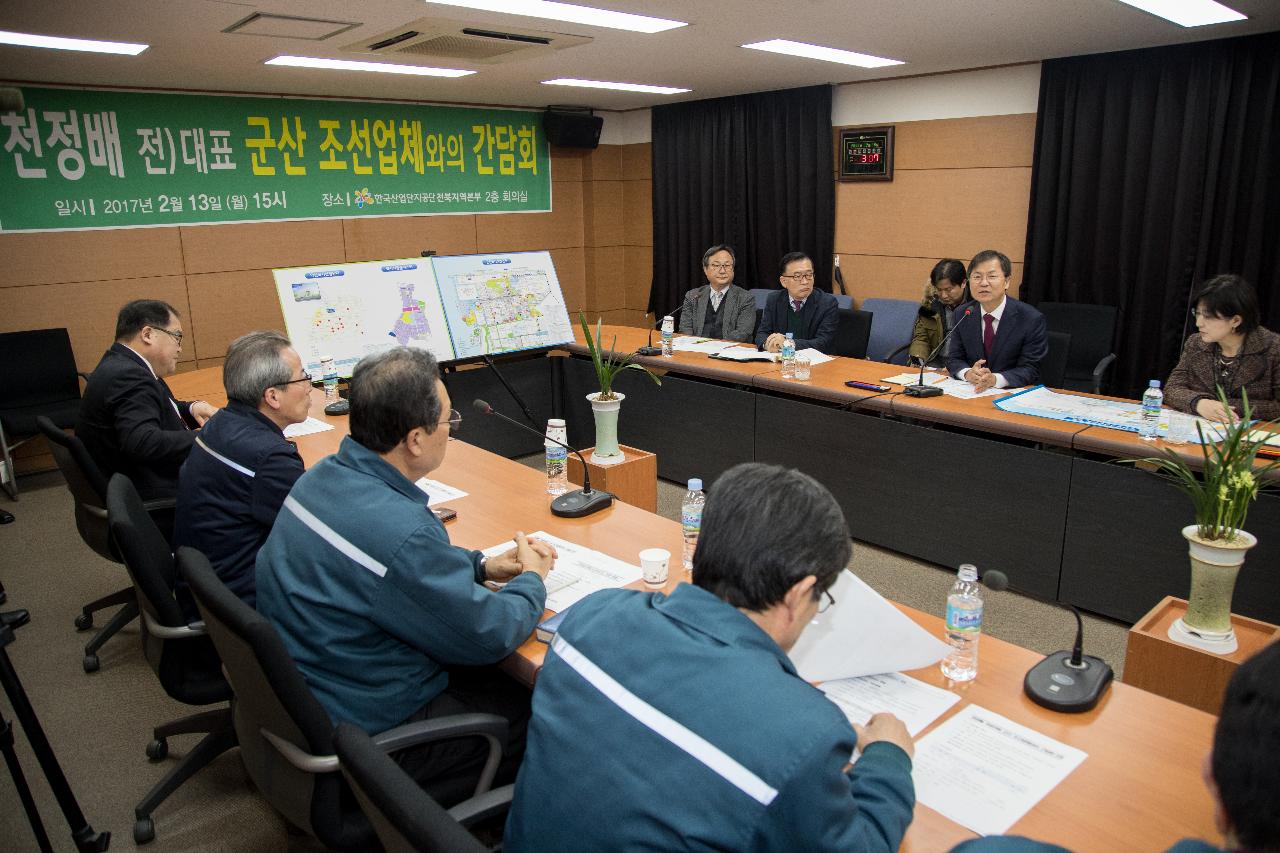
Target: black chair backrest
(38,367)
(271,695)
(1053,369)
(87,486)
(405,817)
(853,333)
(1092,329)
(145,552)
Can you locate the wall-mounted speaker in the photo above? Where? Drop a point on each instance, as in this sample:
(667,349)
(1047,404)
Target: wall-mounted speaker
(572,129)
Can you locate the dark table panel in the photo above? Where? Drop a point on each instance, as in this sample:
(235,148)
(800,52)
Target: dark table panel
(532,379)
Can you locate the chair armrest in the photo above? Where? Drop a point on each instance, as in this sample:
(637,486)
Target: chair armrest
(489,726)
(484,806)
(899,351)
(298,757)
(1100,370)
(170,632)
(158,504)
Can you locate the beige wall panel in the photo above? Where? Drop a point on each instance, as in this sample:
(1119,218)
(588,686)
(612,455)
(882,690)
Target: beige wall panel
(637,213)
(262,245)
(226,305)
(604,164)
(936,213)
(625,317)
(602,213)
(879,277)
(571,270)
(202,363)
(66,256)
(406,236)
(639,269)
(88,310)
(965,143)
(637,162)
(568,164)
(606,278)
(559,229)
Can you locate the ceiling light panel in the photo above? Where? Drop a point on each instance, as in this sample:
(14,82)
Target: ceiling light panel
(1189,13)
(58,43)
(621,87)
(553,11)
(827,54)
(379,67)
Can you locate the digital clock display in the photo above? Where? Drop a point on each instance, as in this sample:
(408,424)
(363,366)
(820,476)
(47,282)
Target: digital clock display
(866,154)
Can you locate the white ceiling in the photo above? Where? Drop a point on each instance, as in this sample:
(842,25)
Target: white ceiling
(190,51)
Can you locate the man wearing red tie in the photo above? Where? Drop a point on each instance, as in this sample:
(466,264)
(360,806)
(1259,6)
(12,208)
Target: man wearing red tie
(1004,348)
(129,421)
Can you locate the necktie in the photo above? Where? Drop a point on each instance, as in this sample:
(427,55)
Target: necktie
(795,305)
(715,300)
(988,334)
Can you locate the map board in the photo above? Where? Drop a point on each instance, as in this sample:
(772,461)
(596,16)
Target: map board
(457,307)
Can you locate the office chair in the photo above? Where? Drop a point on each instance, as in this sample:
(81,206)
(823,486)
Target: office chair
(181,654)
(1053,369)
(405,817)
(286,736)
(38,377)
(1093,330)
(88,487)
(891,332)
(852,333)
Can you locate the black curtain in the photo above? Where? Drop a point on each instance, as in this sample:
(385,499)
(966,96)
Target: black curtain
(1154,170)
(754,171)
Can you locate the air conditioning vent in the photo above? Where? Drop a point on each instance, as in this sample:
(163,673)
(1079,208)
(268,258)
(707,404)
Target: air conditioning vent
(491,34)
(394,40)
(461,47)
(437,39)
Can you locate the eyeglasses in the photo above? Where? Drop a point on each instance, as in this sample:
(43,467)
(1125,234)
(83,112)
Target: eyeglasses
(1197,313)
(454,421)
(826,605)
(800,276)
(306,377)
(994,278)
(177,336)
(721,267)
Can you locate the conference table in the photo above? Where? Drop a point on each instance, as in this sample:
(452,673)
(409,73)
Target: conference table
(1139,788)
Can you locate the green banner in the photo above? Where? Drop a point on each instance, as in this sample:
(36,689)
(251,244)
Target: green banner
(95,159)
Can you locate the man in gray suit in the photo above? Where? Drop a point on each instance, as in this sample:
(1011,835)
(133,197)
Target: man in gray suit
(719,309)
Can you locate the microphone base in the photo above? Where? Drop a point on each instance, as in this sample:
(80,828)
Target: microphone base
(649,351)
(578,503)
(922,391)
(1055,684)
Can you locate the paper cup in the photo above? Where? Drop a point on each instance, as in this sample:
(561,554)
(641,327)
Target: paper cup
(653,562)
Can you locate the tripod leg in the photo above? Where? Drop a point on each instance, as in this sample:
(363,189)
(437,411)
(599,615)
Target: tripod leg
(20,782)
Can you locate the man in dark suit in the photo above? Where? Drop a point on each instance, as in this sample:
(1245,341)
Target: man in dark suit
(810,315)
(719,309)
(1004,348)
(129,421)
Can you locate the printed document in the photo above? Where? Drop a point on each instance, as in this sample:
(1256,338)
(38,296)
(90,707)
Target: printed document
(815,357)
(307,427)
(737,353)
(578,571)
(438,492)
(985,771)
(915,703)
(909,378)
(707,345)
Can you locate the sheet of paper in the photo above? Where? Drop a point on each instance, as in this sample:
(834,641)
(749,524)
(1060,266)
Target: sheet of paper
(813,355)
(862,634)
(909,378)
(915,703)
(745,354)
(307,427)
(687,344)
(438,492)
(964,391)
(985,771)
(578,571)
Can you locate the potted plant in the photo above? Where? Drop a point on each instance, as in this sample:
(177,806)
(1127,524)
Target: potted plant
(606,402)
(1218,543)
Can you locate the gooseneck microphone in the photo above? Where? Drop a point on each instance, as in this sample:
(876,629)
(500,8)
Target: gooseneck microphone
(577,503)
(922,390)
(1071,682)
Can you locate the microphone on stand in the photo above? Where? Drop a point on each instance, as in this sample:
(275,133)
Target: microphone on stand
(650,349)
(577,503)
(922,390)
(1071,682)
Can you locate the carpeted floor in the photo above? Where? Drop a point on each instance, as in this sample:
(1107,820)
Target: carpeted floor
(99,724)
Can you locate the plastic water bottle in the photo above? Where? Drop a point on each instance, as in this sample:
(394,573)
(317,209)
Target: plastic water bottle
(1152,400)
(964,626)
(329,372)
(557,458)
(668,332)
(789,357)
(691,520)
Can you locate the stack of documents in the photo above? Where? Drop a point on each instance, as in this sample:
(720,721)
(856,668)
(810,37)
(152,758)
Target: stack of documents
(707,345)
(951,387)
(578,571)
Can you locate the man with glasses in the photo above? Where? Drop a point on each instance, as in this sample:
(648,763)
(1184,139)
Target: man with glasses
(718,309)
(1002,345)
(129,421)
(242,467)
(936,316)
(387,621)
(810,315)
(667,722)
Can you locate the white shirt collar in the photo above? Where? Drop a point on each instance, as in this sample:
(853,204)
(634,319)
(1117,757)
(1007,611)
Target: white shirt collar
(999,312)
(144,360)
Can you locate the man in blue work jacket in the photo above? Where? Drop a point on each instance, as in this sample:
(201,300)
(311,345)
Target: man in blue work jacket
(678,722)
(387,621)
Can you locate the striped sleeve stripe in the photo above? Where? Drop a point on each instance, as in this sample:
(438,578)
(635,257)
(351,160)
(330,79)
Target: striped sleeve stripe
(224,460)
(332,536)
(644,713)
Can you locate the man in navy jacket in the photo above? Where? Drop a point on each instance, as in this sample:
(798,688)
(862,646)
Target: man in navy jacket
(1001,345)
(678,722)
(811,315)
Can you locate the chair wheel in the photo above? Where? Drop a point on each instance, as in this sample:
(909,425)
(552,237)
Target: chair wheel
(158,749)
(90,663)
(84,621)
(144,830)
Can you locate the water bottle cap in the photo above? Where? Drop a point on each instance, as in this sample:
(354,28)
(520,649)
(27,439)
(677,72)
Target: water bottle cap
(555,423)
(1154,383)
(968,572)
(790,336)
(695,485)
